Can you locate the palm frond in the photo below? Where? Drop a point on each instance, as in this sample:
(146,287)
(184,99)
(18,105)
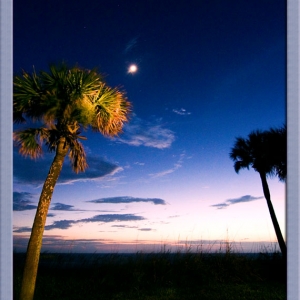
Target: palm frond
(53,138)
(30,141)
(240,155)
(26,99)
(112,109)
(77,157)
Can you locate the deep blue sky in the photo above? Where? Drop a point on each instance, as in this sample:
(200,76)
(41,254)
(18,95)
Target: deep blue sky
(208,71)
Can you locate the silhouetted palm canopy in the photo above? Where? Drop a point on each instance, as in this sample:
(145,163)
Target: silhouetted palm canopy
(264,151)
(62,103)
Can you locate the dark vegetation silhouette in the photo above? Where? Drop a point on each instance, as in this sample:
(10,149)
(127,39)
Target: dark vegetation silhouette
(62,103)
(266,153)
(189,274)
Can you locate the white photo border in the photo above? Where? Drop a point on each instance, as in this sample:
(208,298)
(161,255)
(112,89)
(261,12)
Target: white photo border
(293,132)
(6,76)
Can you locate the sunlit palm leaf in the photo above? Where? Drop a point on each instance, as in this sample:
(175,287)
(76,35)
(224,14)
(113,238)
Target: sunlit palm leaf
(66,101)
(27,96)
(112,110)
(30,141)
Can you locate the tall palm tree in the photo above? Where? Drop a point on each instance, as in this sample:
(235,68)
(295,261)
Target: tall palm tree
(62,103)
(265,152)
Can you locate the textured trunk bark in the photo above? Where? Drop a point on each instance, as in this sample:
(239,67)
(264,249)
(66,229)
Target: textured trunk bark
(280,239)
(36,237)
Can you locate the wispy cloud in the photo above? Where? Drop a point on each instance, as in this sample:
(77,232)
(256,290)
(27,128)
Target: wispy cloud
(130,45)
(126,199)
(105,218)
(146,133)
(22,201)
(246,198)
(163,173)
(61,206)
(145,229)
(176,166)
(34,172)
(175,216)
(124,226)
(113,218)
(220,205)
(22,229)
(61,224)
(181,112)
(67,207)
(98,169)
(228,202)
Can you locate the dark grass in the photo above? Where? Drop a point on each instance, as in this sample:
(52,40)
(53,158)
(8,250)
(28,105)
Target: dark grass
(157,276)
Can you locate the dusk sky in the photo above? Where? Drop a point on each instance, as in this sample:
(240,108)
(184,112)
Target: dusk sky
(207,72)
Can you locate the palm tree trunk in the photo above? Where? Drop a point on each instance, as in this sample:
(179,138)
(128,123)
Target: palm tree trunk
(36,237)
(280,239)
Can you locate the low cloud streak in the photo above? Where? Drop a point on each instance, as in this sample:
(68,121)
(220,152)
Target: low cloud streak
(228,202)
(126,199)
(34,172)
(22,201)
(105,218)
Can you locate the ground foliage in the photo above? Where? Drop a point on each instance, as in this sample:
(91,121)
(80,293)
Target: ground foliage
(157,276)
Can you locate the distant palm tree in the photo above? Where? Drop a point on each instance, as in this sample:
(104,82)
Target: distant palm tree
(62,103)
(265,152)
